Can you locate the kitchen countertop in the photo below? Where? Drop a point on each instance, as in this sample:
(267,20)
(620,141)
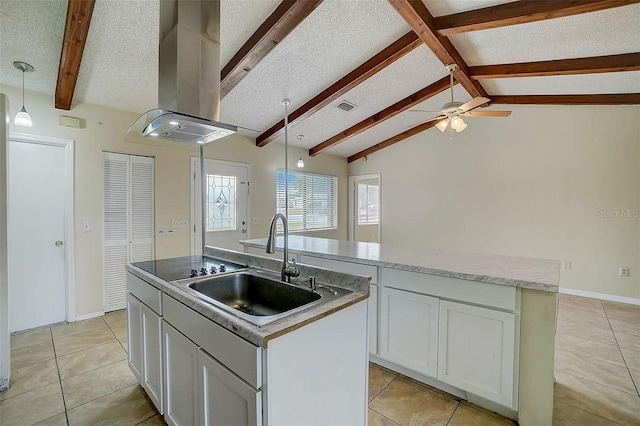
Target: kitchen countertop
(260,336)
(537,274)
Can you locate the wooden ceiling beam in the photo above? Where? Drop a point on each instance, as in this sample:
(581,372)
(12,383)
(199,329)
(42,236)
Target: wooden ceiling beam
(393,140)
(592,65)
(380,61)
(519,12)
(415,13)
(600,99)
(387,113)
(75,36)
(287,16)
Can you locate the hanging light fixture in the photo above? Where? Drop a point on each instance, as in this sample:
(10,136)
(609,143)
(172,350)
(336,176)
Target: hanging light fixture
(22,117)
(300,160)
(442,125)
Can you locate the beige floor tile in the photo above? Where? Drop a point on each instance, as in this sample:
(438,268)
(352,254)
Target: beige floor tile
(120,330)
(156,420)
(33,406)
(467,416)
(125,345)
(635,376)
(90,359)
(612,404)
(583,319)
(628,341)
(406,403)
(31,377)
(587,332)
(579,300)
(632,358)
(597,310)
(590,348)
(566,415)
(616,306)
(601,372)
(378,379)
(128,406)
(72,328)
(376,419)
(58,420)
(97,383)
(632,317)
(116,317)
(82,341)
(624,326)
(490,413)
(32,355)
(30,338)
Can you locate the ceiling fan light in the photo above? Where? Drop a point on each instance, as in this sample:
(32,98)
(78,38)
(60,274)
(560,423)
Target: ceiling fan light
(461,127)
(23,118)
(457,123)
(442,125)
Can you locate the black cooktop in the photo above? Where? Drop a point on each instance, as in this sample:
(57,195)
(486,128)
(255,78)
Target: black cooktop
(178,268)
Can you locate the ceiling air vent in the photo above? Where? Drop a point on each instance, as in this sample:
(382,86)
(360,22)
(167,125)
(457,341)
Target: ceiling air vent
(346,106)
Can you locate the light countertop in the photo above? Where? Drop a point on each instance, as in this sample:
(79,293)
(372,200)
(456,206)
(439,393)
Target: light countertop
(537,274)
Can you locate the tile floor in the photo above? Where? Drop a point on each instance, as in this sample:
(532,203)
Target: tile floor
(77,374)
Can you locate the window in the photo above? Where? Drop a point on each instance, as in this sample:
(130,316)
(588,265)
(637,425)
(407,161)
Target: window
(313,200)
(367,204)
(221,203)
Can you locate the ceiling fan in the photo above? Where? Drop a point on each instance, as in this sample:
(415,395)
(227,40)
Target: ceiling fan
(452,112)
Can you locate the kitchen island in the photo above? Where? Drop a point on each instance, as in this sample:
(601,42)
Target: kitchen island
(200,364)
(481,327)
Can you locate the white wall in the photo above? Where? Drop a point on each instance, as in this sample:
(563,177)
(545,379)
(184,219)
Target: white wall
(535,184)
(105,129)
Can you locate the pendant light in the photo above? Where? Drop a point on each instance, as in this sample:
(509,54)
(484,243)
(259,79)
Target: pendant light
(300,160)
(22,117)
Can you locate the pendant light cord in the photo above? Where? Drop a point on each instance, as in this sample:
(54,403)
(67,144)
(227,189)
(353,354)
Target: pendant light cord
(23,87)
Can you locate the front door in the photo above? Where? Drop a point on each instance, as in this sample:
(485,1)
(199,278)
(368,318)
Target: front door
(36,232)
(227,193)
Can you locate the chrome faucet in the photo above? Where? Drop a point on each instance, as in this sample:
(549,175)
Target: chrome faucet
(288,270)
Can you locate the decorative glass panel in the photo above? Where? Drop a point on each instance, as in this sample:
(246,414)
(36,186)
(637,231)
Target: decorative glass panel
(221,203)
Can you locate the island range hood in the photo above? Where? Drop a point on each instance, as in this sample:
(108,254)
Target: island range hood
(188,75)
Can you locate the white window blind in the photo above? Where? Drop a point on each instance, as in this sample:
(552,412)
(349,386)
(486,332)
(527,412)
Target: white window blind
(313,200)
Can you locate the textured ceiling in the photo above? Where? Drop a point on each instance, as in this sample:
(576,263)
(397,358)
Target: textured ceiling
(119,66)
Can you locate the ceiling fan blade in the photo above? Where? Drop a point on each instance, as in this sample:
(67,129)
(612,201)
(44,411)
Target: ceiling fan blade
(487,113)
(473,103)
(424,110)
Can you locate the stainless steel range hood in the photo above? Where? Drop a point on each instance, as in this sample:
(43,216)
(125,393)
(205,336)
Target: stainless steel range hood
(188,75)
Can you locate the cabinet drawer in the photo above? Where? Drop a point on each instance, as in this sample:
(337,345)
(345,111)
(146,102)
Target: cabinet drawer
(148,294)
(477,293)
(235,353)
(339,266)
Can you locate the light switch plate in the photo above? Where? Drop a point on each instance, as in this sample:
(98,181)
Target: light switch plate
(86,225)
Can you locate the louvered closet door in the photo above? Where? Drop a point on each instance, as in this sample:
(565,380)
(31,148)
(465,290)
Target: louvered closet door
(128,221)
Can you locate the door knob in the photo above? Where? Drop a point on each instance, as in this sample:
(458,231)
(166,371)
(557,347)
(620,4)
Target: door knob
(59,243)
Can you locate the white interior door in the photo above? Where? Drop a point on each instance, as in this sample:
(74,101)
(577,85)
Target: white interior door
(227,187)
(36,231)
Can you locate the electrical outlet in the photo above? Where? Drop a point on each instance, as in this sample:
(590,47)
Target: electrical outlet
(184,223)
(624,271)
(255,221)
(566,264)
(175,223)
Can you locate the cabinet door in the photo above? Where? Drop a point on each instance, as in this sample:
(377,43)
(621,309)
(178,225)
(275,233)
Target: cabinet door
(134,330)
(410,330)
(224,398)
(372,322)
(476,351)
(181,378)
(152,355)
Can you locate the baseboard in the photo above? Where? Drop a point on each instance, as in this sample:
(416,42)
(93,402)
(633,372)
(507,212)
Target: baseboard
(89,316)
(602,296)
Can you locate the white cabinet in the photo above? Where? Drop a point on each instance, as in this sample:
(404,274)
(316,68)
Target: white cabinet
(409,330)
(225,399)
(477,350)
(372,323)
(134,324)
(152,355)
(181,378)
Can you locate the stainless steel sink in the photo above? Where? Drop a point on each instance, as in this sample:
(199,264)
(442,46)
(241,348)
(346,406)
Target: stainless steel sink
(257,296)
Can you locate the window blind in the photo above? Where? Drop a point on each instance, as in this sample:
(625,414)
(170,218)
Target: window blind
(313,200)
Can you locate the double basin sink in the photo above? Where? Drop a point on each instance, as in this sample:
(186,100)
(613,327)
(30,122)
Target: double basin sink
(258,296)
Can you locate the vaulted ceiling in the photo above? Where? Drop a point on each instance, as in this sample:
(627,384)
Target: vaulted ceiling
(386,57)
